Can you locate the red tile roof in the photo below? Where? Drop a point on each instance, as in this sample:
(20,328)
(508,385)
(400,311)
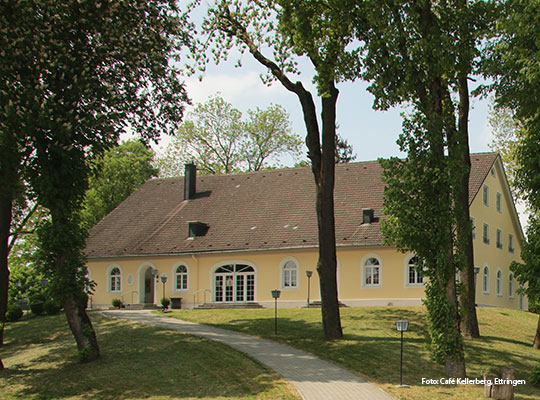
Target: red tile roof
(250,211)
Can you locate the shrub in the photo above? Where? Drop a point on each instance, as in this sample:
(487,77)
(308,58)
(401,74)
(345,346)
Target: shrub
(37,307)
(14,313)
(534,377)
(117,303)
(165,302)
(52,307)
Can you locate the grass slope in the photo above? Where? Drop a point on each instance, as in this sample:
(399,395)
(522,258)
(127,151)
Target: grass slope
(138,362)
(371,345)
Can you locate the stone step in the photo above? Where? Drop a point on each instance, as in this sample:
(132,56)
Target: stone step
(318,304)
(146,306)
(223,306)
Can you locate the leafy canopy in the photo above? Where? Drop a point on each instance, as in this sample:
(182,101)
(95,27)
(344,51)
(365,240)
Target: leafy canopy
(219,140)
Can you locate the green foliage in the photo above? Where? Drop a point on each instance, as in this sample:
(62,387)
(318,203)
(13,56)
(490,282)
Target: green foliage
(528,272)
(323,34)
(420,53)
(115,175)
(83,354)
(37,307)
(116,303)
(417,199)
(14,313)
(165,301)
(75,75)
(514,66)
(344,151)
(217,138)
(52,307)
(25,280)
(534,377)
(507,132)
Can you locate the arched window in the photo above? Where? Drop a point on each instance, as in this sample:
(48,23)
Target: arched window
(414,277)
(499,283)
(181,278)
(372,272)
(115,280)
(485,280)
(290,275)
(234,283)
(511,286)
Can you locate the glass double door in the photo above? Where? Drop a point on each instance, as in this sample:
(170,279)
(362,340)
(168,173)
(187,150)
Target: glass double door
(234,283)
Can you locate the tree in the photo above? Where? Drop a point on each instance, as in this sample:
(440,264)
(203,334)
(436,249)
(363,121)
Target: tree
(269,135)
(506,132)
(116,174)
(344,151)
(323,33)
(421,53)
(219,141)
(513,64)
(76,75)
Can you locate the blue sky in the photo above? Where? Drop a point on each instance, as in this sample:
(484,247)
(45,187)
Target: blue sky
(372,133)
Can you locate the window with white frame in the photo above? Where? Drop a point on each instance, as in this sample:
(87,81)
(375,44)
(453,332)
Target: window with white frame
(511,285)
(372,272)
(473,226)
(290,274)
(499,283)
(499,239)
(414,276)
(498,203)
(115,280)
(511,243)
(485,235)
(485,280)
(181,278)
(485,196)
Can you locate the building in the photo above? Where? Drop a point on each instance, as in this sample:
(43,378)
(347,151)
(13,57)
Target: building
(234,238)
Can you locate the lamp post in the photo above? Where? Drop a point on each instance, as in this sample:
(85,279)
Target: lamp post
(163,280)
(308,274)
(401,326)
(275,294)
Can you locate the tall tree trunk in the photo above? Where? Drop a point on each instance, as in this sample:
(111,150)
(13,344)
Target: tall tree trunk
(81,327)
(5,225)
(454,364)
(324,179)
(536,343)
(322,166)
(469,323)
(65,231)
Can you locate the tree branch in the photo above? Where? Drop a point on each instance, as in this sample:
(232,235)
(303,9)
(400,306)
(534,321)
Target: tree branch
(19,229)
(313,141)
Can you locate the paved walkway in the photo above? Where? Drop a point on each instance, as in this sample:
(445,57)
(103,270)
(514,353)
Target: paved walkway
(314,379)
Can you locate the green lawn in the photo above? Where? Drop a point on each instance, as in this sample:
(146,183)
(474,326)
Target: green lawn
(138,362)
(371,345)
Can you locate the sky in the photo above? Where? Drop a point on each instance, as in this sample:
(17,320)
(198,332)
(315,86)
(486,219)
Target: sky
(371,133)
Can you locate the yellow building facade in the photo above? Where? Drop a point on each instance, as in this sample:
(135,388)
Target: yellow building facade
(240,256)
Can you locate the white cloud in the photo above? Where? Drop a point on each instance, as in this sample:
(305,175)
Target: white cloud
(242,90)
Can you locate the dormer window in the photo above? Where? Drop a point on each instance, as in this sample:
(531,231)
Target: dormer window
(196,228)
(367,216)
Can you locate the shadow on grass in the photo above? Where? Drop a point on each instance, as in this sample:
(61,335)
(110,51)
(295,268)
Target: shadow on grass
(137,362)
(371,349)
(371,344)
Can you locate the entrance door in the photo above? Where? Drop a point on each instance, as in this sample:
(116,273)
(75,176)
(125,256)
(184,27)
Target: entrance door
(234,283)
(149,286)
